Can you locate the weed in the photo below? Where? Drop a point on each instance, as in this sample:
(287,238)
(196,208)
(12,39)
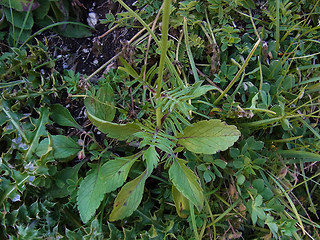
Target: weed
(208,132)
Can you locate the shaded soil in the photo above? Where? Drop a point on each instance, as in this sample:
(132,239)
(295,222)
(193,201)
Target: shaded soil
(86,55)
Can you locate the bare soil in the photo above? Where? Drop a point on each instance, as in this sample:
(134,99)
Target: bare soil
(85,55)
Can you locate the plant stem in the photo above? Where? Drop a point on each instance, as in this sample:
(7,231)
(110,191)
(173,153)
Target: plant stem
(277,25)
(193,221)
(238,73)
(163,47)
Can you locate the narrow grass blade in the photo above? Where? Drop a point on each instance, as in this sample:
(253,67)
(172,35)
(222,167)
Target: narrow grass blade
(189,53)
(299,156)
(238,73)
(51,26)
(277,25)
(310,128)
(294,209)
(193,221)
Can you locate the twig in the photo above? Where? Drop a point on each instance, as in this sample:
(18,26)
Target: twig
(209,80)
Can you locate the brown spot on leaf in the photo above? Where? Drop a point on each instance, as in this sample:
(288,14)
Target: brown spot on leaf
(215,58)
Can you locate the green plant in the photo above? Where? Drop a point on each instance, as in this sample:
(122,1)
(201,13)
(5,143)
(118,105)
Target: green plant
(151,139)
(159,160)
(22,15)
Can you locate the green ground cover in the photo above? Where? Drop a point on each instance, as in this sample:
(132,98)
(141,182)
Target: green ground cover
(207,128)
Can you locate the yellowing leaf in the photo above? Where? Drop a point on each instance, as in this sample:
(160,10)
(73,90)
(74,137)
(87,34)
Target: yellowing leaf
(186,182)
(128,198)
(180,201)
(113,130)
(208,136)
(102,105)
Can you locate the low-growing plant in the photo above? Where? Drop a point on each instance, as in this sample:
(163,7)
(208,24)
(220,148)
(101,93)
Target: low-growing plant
(22,16)
(207,133)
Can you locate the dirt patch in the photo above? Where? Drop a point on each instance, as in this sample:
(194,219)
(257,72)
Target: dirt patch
(86,55)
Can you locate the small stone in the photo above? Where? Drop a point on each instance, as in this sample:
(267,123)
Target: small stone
(92,19)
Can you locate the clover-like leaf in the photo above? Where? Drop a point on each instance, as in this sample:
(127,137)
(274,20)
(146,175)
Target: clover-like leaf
(21,5)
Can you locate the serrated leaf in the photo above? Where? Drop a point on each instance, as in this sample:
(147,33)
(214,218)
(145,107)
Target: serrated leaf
(208,136)
(62,116)
(180,201)
(186,182)
(113,130)
(102,105)
(100,181)
(7,115)
(63,147)
(129,198)
(151,157)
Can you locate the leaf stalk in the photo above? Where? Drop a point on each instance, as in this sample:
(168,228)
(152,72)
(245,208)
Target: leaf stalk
(163,47)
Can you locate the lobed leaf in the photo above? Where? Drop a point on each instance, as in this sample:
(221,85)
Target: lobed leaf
(65,181)
(151,157)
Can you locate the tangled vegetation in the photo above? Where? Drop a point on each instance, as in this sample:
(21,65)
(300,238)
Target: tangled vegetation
(206,129)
